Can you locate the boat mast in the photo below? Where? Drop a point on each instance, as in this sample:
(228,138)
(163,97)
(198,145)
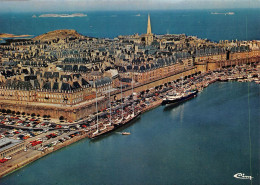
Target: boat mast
(182,77)
(133,94)
(110,104)
(97,108)
(122,102)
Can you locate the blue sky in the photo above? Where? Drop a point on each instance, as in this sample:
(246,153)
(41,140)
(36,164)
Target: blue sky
(89,5)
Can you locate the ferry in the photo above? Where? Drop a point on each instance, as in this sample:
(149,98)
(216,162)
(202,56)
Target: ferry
(172,99)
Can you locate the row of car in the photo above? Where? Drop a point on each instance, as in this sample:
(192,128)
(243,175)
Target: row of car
(61,140)
(3,160)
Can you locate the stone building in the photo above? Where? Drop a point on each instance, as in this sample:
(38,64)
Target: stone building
(9,147)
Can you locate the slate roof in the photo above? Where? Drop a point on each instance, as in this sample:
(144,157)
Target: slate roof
(127,80)
(30,77)
(47,85)
(76,85)
(48,75)
(24,85)
(55,74)
(121,69)
(103,81)
(55,86)
(66,87)
(68,68)
(83,69)
(85,83)
(67,77)
(75,68)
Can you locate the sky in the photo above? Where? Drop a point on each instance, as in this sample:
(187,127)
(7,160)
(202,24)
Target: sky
(93,5)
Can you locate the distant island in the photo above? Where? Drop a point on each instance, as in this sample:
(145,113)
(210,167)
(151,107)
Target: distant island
(63,15)
(225,13)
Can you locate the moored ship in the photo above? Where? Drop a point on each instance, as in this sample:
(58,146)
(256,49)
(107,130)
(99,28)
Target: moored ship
(176,98)
(111,128)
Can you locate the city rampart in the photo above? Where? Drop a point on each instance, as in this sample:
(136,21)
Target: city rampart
(68,112)
(83,109)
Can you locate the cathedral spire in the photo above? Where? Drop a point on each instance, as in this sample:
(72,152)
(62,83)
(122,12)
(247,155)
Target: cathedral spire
(149,29)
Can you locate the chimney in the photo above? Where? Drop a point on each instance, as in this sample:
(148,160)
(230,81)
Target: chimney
(32,82)
(52,82)
(60,83)
(41,83)
(80,81)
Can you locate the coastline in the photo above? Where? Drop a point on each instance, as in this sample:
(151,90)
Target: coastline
(33,158)
(9,35)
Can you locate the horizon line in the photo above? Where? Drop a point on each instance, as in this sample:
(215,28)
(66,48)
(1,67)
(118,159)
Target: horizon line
(131,10)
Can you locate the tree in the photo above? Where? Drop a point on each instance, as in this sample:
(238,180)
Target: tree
(61,118)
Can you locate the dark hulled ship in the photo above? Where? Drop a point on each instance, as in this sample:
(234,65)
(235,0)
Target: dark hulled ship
(176,98)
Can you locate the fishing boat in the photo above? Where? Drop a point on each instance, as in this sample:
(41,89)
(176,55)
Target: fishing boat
(125,133)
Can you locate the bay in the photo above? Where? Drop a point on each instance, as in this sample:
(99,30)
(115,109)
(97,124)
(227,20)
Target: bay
(202,141)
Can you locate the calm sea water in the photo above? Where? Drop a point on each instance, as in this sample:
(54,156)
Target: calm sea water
(243,25)
(203,141)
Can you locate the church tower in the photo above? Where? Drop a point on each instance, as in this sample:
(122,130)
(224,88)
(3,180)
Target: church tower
(149,35)
(149,29)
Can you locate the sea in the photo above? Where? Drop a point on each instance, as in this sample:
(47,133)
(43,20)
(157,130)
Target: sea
(204,141)
(244,24)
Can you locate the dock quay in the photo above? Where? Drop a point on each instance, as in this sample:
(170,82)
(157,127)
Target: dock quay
(56,136)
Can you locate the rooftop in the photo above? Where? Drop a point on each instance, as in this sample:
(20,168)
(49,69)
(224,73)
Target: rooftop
(7,143)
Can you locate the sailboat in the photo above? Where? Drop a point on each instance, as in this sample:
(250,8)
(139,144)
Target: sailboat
(133,113)
(120,121)
(117,123)
(96,132)
(107,127)
(110,113)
